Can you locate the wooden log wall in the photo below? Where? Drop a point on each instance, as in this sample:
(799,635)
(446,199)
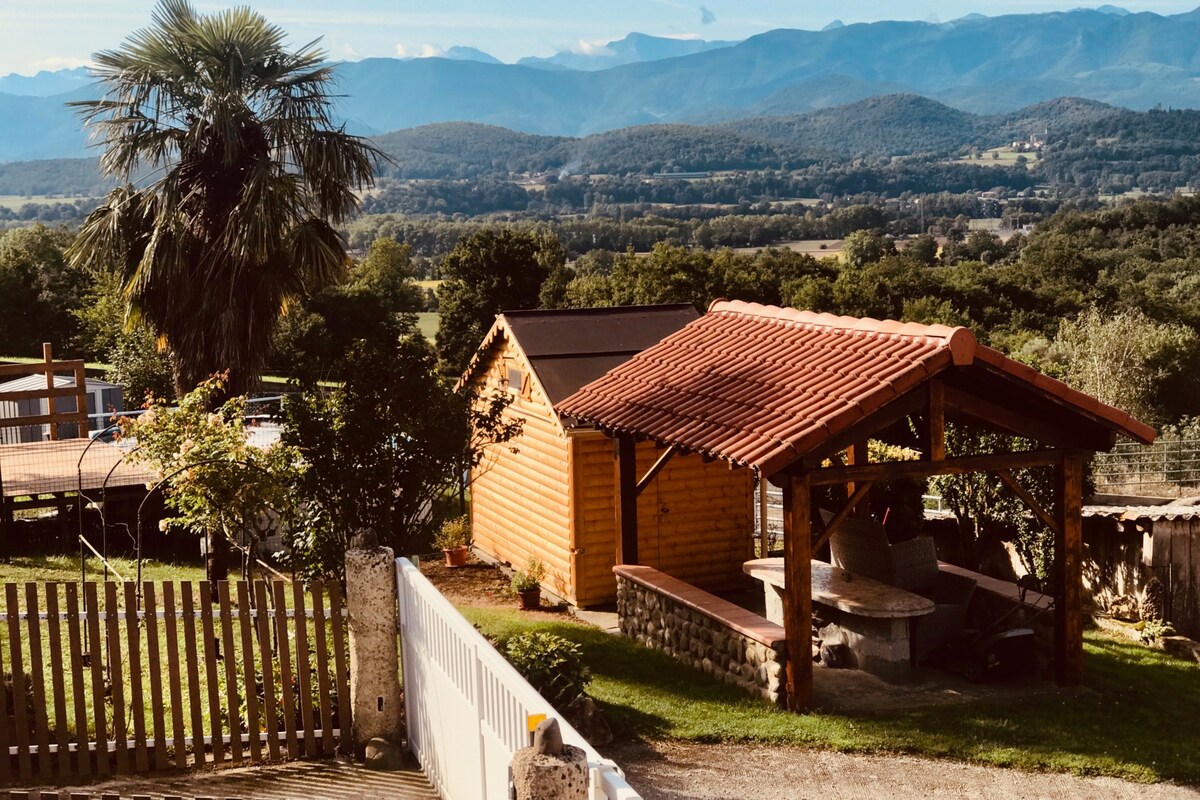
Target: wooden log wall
(695,520)
(105,679)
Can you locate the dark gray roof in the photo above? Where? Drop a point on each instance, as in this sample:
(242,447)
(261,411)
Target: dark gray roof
(569,348)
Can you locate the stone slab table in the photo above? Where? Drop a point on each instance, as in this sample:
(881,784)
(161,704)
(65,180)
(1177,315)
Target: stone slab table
(873,620)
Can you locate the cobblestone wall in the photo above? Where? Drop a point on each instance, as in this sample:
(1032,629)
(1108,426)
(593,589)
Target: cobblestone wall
(755,664)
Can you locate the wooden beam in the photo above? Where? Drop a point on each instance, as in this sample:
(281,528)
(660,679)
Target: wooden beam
(935,429)
(894,470)
(862,430)
(1000,417)
(797,592)
(652,473)
(1029,500)
(860,492)
(1068,572)
(626,505)
(39,368)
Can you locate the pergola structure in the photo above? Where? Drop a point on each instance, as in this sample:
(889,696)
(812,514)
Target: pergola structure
(787,392)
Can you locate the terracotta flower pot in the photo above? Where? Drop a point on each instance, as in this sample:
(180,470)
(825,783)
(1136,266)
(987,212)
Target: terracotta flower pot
(531,599)
(456,557)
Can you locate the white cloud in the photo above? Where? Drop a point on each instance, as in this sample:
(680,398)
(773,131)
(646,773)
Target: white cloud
(401,51)
(60,62)
(682,36)
(591,47)
(349,52)
(429,51)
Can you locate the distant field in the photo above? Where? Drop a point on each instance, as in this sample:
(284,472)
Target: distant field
(16,201)
(999,156)
(817,248)
(427,322)
(429,284)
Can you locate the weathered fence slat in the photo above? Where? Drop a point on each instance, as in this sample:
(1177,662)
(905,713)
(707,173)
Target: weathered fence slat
(37,675)
(231,681)
(116,680)
(322,653)
(57,684)
(137,705)
(193,671)
(171,634)
(91,602)
(83,762)
(270,718)
(250,678)
(20,712)
(285,670)
(341,665)
(210,672)
(303,670)
(7,735)
(154,657)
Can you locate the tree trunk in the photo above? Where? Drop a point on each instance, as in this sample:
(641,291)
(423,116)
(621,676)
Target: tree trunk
(218,557)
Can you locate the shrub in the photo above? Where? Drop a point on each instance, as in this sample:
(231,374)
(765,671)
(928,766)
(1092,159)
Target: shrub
(529,578)
(453,534)
(552,665)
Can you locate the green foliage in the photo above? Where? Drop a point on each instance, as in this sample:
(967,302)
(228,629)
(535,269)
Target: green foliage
(552,665)
(249,177)
(383,447)
(453,533)
(213,480)
(488,272)
(39,290)
(528,579)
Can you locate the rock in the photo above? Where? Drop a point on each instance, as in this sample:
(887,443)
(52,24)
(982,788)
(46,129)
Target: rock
(547,738)
(382,755)
(588,720)
(1153,602)
(546,777)
(1124,608)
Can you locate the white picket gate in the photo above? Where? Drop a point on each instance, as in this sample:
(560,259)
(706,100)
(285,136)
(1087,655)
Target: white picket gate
(466,706)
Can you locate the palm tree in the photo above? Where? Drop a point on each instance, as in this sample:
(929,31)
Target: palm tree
(235,177)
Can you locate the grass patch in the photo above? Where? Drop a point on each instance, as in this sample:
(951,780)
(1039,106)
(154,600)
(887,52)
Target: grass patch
(427,323)
(66,568)
(1137,722)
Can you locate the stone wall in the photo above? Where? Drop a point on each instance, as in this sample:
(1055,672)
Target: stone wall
(702,631)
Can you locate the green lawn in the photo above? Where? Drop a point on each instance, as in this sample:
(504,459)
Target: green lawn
(1138,721)
(427,322)
(66,568)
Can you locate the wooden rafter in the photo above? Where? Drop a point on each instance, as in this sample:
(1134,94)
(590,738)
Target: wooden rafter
(837,519)
(657,467)
(1045,517)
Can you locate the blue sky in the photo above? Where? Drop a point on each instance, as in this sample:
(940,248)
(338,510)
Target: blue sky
(50,34)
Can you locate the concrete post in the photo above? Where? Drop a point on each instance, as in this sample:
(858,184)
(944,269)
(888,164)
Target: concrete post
(374,663)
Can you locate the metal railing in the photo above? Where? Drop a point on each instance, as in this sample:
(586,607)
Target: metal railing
(1168,468)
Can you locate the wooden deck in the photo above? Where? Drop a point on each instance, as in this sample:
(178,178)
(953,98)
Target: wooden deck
(66,465)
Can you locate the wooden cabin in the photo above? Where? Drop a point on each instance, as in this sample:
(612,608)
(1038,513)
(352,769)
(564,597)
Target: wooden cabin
(550,494)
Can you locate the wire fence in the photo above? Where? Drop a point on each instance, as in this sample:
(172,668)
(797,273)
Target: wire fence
(1168,468)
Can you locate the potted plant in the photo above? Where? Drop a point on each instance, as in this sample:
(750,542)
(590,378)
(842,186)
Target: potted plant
(453,537)
(527,584)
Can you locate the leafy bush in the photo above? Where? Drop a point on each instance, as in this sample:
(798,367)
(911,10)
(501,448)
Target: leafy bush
(453,534)
(552,665)
(529,578)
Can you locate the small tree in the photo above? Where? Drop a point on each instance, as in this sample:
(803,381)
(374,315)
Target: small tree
(383,449)
(214,481)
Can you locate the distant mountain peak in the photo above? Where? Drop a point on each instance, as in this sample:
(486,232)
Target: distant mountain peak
(833,26)
(463,53)
(1115,11)
(634,48)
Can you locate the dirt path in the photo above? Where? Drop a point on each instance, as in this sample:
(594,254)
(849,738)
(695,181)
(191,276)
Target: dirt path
(674,771)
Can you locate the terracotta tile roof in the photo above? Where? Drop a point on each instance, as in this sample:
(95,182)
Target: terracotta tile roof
(763,386)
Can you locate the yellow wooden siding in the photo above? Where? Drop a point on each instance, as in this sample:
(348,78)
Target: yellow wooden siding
(695,520)
(519,503)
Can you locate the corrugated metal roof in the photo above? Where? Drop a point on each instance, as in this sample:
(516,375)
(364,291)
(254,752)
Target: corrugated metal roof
(38,381)
(764,386)
(1153,513)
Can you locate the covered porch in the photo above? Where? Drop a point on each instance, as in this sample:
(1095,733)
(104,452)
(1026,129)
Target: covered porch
(796,396)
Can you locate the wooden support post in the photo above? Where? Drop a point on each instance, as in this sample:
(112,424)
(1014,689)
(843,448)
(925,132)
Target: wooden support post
(857,455)
(797,600)
(1068,574)
(48,356)
(626,497)
(935,430)
(81,406)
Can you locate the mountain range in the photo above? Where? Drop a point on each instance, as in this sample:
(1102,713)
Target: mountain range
(983,65)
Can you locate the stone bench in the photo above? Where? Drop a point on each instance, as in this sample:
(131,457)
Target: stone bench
(701,630)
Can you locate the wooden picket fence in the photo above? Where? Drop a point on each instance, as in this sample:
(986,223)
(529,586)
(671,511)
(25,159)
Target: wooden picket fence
(100,679)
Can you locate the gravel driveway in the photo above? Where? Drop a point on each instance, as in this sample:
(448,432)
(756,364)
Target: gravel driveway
(673,771)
